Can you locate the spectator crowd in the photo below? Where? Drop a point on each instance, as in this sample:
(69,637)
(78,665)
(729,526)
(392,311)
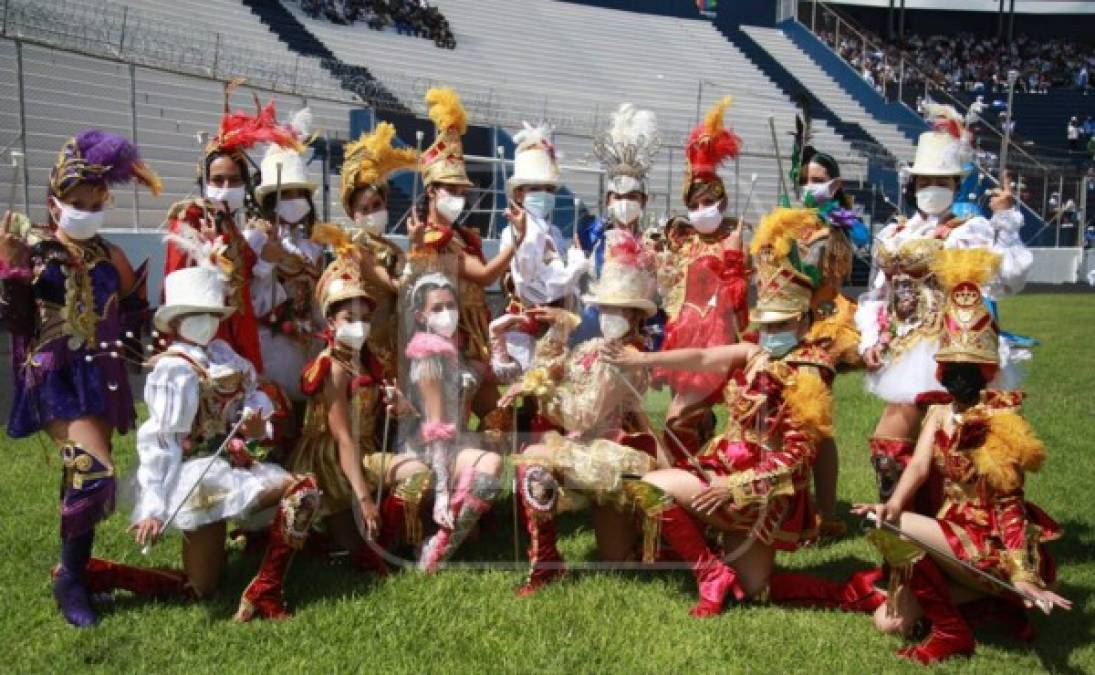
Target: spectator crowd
(966,62)
(408,17)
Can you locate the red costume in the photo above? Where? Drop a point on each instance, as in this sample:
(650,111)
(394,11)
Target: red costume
(239,330)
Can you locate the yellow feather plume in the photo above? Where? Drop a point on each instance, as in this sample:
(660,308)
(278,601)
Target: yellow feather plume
(839,331)
(712,120)
(810,405)
(952,266)
(1010,448)
(780,227)
(371,159)
(333,236)
(446,110)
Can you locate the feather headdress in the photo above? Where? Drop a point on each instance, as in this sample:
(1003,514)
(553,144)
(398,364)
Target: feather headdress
(627,149)
(784,285)
(534,159)
(970,334)
(239,131)
(443,161)
(100,158)
(370,160)
(342,279)
(709,145)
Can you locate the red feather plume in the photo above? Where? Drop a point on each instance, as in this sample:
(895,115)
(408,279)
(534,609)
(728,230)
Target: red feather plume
(240,131)
(710,143)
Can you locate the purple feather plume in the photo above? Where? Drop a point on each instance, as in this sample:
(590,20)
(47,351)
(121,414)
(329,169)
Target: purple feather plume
(109,150)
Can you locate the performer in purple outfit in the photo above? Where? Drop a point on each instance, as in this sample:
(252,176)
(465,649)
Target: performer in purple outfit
(73,301)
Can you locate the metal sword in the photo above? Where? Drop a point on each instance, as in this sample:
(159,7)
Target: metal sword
(1044,605)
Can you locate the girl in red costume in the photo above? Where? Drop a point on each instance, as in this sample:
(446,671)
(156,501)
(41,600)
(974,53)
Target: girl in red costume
(978,440)
(218,214)
(707,303)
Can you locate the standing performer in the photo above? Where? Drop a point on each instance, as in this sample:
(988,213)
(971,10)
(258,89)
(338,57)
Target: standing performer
(753,482)
(544,269)
(827,250)
(541,274)
(284,280)
(707,303)
(72,300)
(899,317)
(626,152)
(466,479)
(196,388)
(583,395)
(435,234)
(983,447)
(340,440)
(224,175)
(370,160)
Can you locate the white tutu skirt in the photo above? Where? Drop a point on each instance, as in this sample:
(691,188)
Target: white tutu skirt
(904,378)
(283,360)
(225,493)
(1013,368)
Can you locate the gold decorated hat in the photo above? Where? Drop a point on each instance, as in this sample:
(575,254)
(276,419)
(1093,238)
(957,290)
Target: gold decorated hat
(443,162)
(970,334)
(369,161)
(784,284)
(342,278)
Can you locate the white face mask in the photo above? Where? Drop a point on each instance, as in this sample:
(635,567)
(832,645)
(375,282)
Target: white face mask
(374,223)
(625,211)
(934,200)
(442,323)
(820,192)
(450,206)
(614,325)
(352,334)
(292,211)
(79,224)
(706,219)
(233,196)
(199,328)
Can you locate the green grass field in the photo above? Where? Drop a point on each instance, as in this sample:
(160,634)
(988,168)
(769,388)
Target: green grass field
(465,620)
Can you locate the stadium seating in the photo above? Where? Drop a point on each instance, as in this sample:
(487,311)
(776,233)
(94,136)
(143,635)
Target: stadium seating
(572,64)
(824,87)
(67,92)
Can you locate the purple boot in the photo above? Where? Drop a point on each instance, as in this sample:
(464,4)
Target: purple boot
(87,496)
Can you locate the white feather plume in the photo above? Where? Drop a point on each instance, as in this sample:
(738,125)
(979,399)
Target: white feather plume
(630,125)
(201,251)
(301,122)
(532,135)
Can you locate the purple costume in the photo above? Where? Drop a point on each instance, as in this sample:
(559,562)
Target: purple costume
(66,358)
(69,320)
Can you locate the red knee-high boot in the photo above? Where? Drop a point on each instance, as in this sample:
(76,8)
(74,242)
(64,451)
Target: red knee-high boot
(714,577)
(537,491)
(107,575)
(296,512)
(950,634)
(857,594)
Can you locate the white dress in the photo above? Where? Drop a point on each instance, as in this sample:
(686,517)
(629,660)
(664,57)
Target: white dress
(902,378)
(164,477)
(283,356)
